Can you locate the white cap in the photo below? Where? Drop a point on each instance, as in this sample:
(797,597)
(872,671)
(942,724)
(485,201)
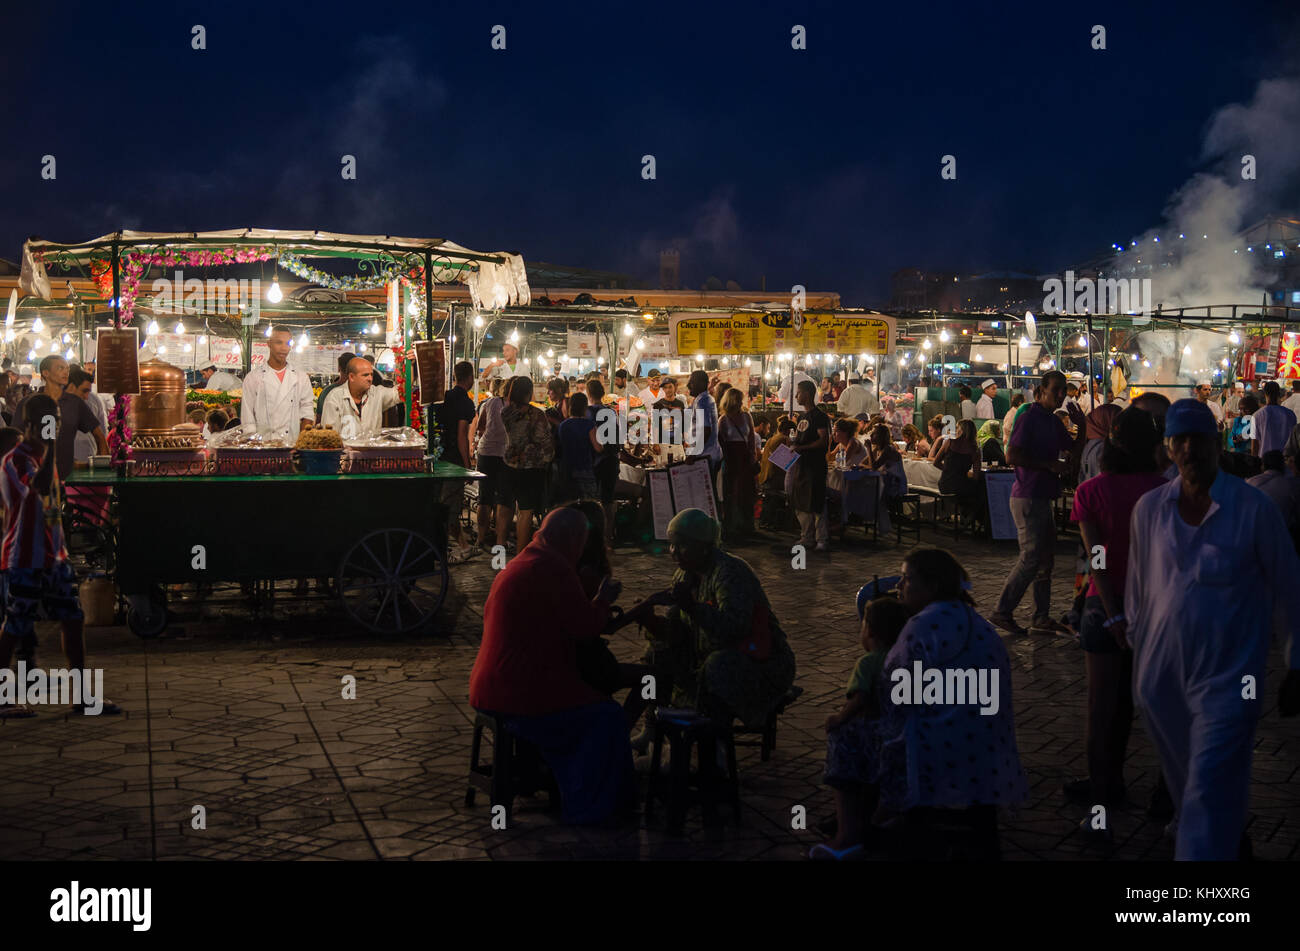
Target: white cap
(986,384)
(1239,385)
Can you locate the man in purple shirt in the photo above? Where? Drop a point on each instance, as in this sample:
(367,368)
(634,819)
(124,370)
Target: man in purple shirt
(1038,443)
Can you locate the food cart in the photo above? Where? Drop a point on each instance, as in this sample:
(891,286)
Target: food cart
(379,538)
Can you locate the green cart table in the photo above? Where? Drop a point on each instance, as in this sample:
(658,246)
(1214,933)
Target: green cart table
(381,538)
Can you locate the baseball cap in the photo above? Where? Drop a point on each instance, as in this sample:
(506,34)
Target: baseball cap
(1190,416)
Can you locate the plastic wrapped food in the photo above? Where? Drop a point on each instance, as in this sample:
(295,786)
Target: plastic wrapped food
(185,437)
(240,438)
(397,437)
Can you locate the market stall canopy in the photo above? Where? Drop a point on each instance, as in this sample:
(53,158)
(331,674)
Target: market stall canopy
(495,279)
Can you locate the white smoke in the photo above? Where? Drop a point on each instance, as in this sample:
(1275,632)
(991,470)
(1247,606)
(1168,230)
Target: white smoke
(1213,207)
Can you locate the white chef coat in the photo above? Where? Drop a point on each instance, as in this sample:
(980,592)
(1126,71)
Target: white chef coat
(1200,614)
(505,371)
(649,398)
(274,408)
(788,388)
(85,445)
(856,399)
(340,411)
(222,381)
(984,408)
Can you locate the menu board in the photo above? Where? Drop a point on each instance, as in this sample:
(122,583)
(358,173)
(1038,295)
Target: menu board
(693,487)
(661,502)
(764,332)
(431,361)
(117,360)
(998,487)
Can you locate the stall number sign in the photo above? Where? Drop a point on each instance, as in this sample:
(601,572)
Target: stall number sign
(581,346)
(768,332)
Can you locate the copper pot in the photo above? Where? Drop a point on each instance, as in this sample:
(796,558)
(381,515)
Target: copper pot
(160,404)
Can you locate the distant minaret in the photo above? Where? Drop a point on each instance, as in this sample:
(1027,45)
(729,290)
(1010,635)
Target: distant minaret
(670,269)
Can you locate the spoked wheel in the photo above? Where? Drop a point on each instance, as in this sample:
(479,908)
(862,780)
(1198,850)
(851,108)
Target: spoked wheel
(393,581)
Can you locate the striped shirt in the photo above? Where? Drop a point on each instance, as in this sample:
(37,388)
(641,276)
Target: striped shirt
(33,536)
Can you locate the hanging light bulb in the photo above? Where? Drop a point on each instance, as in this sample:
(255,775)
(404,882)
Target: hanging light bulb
(640,344)
(304,340)
(187,348)
(748,362)
(274,295)
(944,336)
(478,320)
(979,358)
(37,325)
(180,328)
(162,348)
(31,355)
(1024,341)
(1083,341)
(1224,362)
(411,309)
(926,343)
(203,339)
(67,337)
(39,345)
(1234,338)
(699,357)
(153,328)
(627,330)
(234,347)
(514,336)
(374,328)
(362,348)
(550,351)
(1187,350)
(268,330)
(67,354)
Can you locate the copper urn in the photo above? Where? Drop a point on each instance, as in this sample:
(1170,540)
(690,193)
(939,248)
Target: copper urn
(160,404)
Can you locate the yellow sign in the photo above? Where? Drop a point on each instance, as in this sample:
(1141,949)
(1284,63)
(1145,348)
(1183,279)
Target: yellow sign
(760,332)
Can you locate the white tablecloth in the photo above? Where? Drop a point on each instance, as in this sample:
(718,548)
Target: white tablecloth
(921,473)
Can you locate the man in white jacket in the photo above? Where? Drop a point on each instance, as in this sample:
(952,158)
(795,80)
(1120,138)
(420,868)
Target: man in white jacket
(357,407)
(277,398)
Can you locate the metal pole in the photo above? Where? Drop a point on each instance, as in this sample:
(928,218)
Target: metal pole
(1091,382)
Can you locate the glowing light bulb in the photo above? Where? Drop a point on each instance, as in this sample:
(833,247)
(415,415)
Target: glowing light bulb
(640,344)
(550,351)
(153,328)
(31,355)
(268,330)
(514,337)
(67,354)
(1224,362)
(187,348)
(1024,342)
(478,320)
(162,348)
(179,328)
(304,340)
(203,339)
(37,325)
(1187,350)
(627,330)
(748,362)
(1234,338)
(926,343)
(362,348)
(274,295)
(67,337)
(699,357)
(979,358)
(374,328)
(1083,341)
(411,309)
(902,362)
(944,336)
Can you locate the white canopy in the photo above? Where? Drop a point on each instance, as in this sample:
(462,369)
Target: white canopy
(496,279)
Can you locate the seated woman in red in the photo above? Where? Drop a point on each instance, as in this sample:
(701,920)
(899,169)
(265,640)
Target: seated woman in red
(527,671)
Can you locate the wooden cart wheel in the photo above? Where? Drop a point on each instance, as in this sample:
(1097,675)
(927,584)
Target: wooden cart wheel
(392,581)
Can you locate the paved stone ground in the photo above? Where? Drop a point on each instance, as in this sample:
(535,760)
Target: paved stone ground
(246,720)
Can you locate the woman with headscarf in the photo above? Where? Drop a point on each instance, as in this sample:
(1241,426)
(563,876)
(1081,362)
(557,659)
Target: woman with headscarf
(1097,426)
(989,440)
(951,751)
(527,670)
(727,655)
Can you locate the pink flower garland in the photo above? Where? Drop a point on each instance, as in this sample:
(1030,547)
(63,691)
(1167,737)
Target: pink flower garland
(137,262)
(119,431)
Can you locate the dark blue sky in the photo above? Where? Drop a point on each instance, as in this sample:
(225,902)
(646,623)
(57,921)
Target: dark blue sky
(818,167)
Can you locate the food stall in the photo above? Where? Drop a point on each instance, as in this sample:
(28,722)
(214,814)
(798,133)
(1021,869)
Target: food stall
(363,513)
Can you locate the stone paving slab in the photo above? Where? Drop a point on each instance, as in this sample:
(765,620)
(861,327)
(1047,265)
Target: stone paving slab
(246,719)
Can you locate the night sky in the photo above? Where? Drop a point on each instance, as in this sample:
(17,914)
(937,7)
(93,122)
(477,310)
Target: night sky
(818,167)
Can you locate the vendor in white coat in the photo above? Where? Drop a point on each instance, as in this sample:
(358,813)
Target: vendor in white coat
(220,380)
(1211,567)
(984,408)
(277,398)
(357,407)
